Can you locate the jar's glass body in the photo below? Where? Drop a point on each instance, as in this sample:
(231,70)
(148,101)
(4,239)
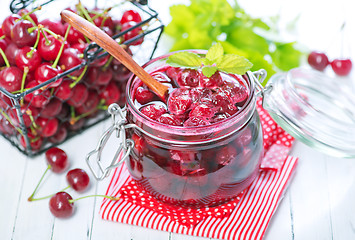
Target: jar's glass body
(195,166)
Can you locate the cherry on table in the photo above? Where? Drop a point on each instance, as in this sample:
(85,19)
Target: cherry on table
(78,179)
(318,60)
(57,159)
(341,66)
(60,205)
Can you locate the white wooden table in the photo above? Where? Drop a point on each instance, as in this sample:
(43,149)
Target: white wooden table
(319,203)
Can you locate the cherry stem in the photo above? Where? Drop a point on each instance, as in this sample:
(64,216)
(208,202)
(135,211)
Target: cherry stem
(25,72)
(34,192)
(107,64)
(46,197)
(73,84)
(104,196)
(55,63)
(2,37)
(28,17)
(84,11)
(5,58)
(50,32)
(30,53)
(45,37)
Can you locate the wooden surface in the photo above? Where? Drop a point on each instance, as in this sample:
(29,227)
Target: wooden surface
(319,203)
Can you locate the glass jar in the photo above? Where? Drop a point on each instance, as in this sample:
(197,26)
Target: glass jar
(195,166)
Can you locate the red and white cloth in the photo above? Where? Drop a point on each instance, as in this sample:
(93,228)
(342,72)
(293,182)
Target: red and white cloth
(245,217)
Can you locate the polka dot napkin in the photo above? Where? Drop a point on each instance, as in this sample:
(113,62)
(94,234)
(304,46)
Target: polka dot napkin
(245,217)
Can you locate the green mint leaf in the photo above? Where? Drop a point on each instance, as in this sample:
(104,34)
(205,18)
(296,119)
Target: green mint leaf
(185,59)
(232,63)
(208,71)
(215,53)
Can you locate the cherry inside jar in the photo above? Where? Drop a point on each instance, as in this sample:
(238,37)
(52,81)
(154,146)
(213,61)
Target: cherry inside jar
(202,145)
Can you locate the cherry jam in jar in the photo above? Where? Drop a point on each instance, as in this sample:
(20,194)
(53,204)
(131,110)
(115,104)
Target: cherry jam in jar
(202,145)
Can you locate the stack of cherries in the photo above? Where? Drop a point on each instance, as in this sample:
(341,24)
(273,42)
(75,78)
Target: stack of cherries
(61,204)
(34,51)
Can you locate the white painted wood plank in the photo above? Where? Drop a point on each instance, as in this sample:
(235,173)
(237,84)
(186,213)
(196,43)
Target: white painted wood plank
(13,167)
(309,196)
(341,184)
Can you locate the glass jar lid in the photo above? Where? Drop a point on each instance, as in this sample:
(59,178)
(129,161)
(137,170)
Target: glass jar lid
(314,108)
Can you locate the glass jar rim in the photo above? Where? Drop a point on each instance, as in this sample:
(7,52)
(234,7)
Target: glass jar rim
(180,130)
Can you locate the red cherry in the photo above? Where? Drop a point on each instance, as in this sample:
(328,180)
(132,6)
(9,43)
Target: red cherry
(52,108)
(74,36)
(78,179)
(211,82)
(169,119)
(103,21)
(202,110)
(153,111)
(11,78)
(341,67)
(38,98)
(179,103)
(69,59)
(80,95)
(80,47)
(55,26)
(21,35)
(23,59)
(143,95)
(130,15)
(188,77)
(238,94)
(45,72)
(8,24)
(196,121)
(60,205)
(47,127)
(318,60)
(90,105)
(3,46)
(11,53)
(36,142)
(110,93)
(49,50)
(29,114)
(60,135)
(57,159)
(132,33)
(120,72)
(64,91)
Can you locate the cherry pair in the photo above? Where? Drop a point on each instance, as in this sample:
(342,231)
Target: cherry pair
(319,61)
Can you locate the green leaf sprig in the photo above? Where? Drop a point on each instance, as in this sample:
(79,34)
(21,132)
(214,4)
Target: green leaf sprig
(215,60)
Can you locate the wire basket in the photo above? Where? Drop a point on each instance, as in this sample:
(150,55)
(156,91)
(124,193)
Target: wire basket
(38,116)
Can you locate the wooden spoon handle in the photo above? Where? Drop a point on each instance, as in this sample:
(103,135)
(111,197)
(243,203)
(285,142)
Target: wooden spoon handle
(112,47)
